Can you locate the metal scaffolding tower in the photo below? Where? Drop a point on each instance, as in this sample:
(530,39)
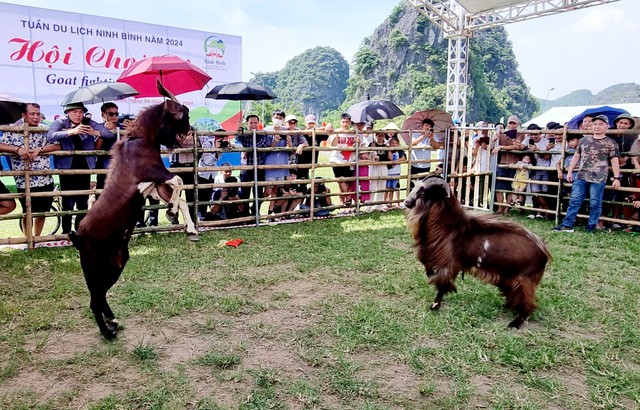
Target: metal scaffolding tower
(459,19)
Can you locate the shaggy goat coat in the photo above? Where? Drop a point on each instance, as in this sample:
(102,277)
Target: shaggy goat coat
(136,171)
(449,240)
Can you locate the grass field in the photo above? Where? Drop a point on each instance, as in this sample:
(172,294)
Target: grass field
(330,314)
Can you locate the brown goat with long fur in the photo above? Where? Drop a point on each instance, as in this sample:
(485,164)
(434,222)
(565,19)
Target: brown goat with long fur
(449,240)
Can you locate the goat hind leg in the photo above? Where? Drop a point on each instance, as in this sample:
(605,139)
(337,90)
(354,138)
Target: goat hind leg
(98,306)
(520,297)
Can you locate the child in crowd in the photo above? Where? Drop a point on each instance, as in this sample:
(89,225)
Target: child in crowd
(393,185)
(572,143)
(522,174)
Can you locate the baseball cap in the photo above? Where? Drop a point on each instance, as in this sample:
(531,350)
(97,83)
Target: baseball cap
(290,117)
(514,118)
(602,118)
(310,119)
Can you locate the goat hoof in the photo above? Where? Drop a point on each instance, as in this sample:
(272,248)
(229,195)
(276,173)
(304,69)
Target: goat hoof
(516,323)
(112,325)
(172,217)
(193,237)
(110,334)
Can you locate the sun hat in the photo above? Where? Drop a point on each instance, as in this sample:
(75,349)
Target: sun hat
(391,127)
(625,117)
(73,106)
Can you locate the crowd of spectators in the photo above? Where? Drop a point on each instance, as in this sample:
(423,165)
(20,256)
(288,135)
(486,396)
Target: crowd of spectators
(532,163)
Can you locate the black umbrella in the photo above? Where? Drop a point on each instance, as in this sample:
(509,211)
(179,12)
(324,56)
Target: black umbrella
(240,91)
(100,92)
(371,110)
(10,109)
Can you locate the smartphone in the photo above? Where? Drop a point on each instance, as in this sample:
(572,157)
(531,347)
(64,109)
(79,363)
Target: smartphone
(483,140)
(552,140)
(511,133)
(86,121)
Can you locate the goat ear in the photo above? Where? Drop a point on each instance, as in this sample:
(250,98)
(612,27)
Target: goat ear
(166,93)
(437,191)
(174,109)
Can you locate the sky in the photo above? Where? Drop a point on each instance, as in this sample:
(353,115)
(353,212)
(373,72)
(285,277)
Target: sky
(556,54)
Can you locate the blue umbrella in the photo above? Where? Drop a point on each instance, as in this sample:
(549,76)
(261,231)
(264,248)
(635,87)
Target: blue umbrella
(610,112)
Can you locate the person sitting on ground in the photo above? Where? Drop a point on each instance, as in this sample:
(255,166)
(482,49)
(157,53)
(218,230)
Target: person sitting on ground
(321,199)
(221,211)
(287,203)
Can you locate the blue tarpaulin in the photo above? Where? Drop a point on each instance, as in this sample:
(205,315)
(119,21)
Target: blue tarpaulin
(610,112)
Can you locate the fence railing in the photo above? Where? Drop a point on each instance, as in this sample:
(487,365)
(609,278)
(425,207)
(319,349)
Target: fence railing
(469,169)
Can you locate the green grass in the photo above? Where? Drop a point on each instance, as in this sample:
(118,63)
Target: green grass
(327,314)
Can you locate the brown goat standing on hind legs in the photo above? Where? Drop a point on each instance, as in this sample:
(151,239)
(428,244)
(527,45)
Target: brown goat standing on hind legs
(136,171)
(449,241)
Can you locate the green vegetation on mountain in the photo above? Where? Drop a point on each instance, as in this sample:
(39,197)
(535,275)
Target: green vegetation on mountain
(312,82)
(405,61)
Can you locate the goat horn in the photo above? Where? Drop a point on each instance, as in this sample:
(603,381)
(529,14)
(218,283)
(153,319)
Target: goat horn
(166,93)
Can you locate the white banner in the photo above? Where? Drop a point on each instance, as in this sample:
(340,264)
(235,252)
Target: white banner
(45,54)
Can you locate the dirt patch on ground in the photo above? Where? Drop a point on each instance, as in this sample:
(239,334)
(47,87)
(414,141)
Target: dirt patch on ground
(86,368)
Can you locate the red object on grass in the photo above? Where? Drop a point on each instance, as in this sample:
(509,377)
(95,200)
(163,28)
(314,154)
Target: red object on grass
(234,242)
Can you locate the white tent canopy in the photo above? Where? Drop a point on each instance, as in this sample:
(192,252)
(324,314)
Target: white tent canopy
(564,114)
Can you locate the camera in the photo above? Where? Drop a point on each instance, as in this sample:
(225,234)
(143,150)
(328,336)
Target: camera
(123,118)
(630,199)
(320,188)
(552,140)
(85,121)
(224,144)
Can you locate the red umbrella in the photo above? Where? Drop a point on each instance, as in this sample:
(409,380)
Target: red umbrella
(177,75)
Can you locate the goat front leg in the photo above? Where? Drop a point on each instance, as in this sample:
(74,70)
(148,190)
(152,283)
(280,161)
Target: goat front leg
(443,283)
(192,232)
(163,194)
(176,184)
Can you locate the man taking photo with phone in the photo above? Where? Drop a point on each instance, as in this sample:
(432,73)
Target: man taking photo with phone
(75,133)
